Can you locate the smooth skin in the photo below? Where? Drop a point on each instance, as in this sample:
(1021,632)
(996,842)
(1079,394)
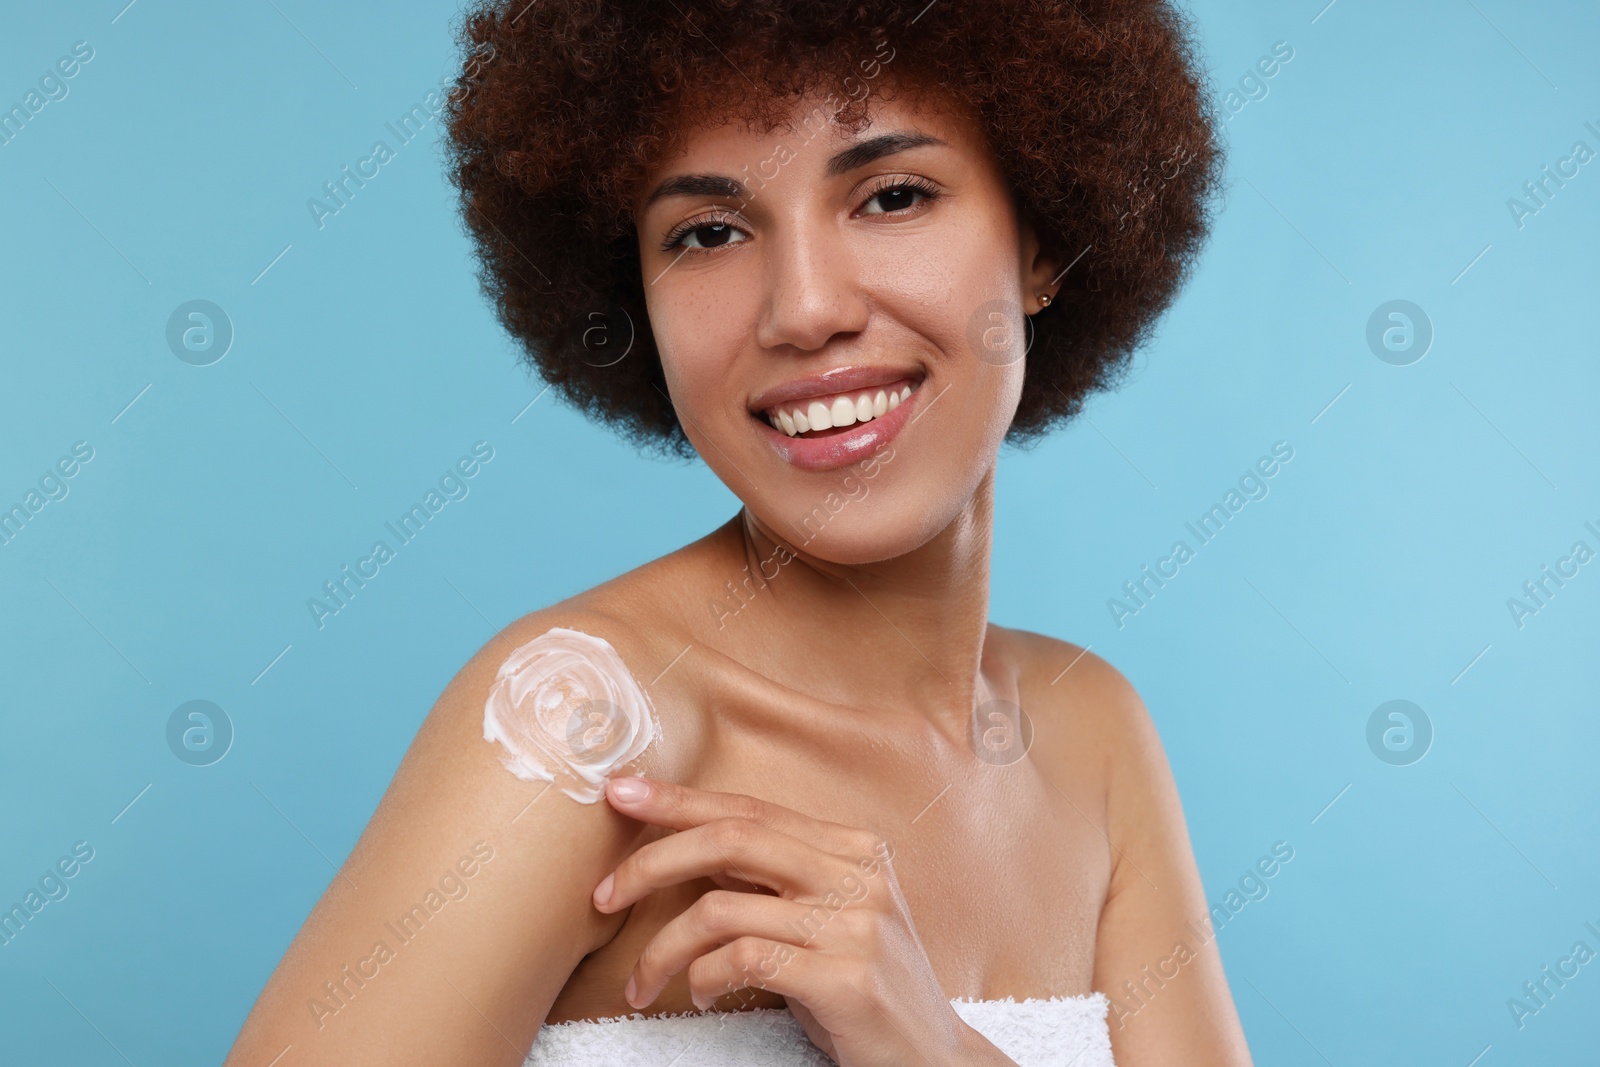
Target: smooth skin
(820,710)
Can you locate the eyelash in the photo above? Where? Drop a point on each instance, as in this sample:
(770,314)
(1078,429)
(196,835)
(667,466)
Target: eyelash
(719,217)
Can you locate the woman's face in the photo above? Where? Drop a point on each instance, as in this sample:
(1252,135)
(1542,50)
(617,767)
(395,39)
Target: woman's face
(840,317)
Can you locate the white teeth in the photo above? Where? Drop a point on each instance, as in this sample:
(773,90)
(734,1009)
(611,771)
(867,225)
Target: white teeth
(843,412)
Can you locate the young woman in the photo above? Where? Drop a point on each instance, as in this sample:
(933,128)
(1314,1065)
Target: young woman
(790,772)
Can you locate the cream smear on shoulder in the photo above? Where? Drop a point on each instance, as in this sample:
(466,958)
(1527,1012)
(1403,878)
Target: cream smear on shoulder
(565,703)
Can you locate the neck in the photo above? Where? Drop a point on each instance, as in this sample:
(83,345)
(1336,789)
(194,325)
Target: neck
(907,631)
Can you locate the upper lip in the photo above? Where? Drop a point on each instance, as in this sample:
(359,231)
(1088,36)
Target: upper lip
(838,380)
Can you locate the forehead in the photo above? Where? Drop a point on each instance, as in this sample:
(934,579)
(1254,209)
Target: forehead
(809,135)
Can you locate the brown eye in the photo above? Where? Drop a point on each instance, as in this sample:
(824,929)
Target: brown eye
(900,195)
(714,236)
(896,199)
(703,235)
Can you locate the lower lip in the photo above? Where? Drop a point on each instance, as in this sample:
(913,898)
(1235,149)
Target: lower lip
(842,449)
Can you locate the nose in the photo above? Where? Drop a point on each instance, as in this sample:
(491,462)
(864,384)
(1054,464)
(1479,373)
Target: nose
(814,290)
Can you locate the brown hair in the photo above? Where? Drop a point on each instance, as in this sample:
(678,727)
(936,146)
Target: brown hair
(1094,110)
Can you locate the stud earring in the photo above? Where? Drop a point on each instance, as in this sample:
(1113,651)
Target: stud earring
(1044,300)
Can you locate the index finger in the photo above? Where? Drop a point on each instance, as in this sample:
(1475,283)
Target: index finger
(681,807)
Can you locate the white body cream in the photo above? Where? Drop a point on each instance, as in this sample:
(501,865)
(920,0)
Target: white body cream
(565,703)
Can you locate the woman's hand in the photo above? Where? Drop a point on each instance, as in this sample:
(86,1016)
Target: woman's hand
(833,934)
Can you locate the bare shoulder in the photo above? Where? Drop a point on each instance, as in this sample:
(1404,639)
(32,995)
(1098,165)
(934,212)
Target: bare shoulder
(1087,715)
(628,644)
(1092,727)
(1090,721)
(504,813)
(634,626)
(529,729)
(1069,671)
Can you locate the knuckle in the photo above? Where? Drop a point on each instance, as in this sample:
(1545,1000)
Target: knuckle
(703,988)
(744,806)
(749,955)
(851,884)
(865,979)
(716,910)
(860,924)
(861,927)
(731,834)
(868,844)
(759,960)
(811,925)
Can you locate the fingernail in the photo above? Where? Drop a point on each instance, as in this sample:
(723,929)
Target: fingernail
(602,892)
(630,991)
(629,790)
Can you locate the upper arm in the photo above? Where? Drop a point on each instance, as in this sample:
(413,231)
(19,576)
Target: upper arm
(1156,956)
(461,911)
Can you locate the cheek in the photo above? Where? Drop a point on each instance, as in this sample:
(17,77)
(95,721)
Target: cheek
(937,279)
(1006,394)
(940,463)
(993,393)
(918,269)
(698,341)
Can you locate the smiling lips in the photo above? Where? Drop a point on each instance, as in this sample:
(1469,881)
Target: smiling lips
(838,410)
(816,425)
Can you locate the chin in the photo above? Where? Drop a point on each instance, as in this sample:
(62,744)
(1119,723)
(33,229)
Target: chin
(866,519)
(861,539)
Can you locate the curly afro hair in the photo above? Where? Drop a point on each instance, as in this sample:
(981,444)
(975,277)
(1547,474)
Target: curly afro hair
(1094,108)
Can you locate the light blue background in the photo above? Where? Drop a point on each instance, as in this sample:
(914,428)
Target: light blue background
(1378,166)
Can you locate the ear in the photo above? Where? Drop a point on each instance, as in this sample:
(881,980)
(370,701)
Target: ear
(1040,270)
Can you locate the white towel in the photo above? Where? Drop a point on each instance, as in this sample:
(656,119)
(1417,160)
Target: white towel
(1053,1032)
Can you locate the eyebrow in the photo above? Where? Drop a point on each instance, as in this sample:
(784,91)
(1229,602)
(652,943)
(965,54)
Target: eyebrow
(843,162)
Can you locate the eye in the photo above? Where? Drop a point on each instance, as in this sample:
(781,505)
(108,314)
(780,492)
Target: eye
(710,232)
(896,194)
